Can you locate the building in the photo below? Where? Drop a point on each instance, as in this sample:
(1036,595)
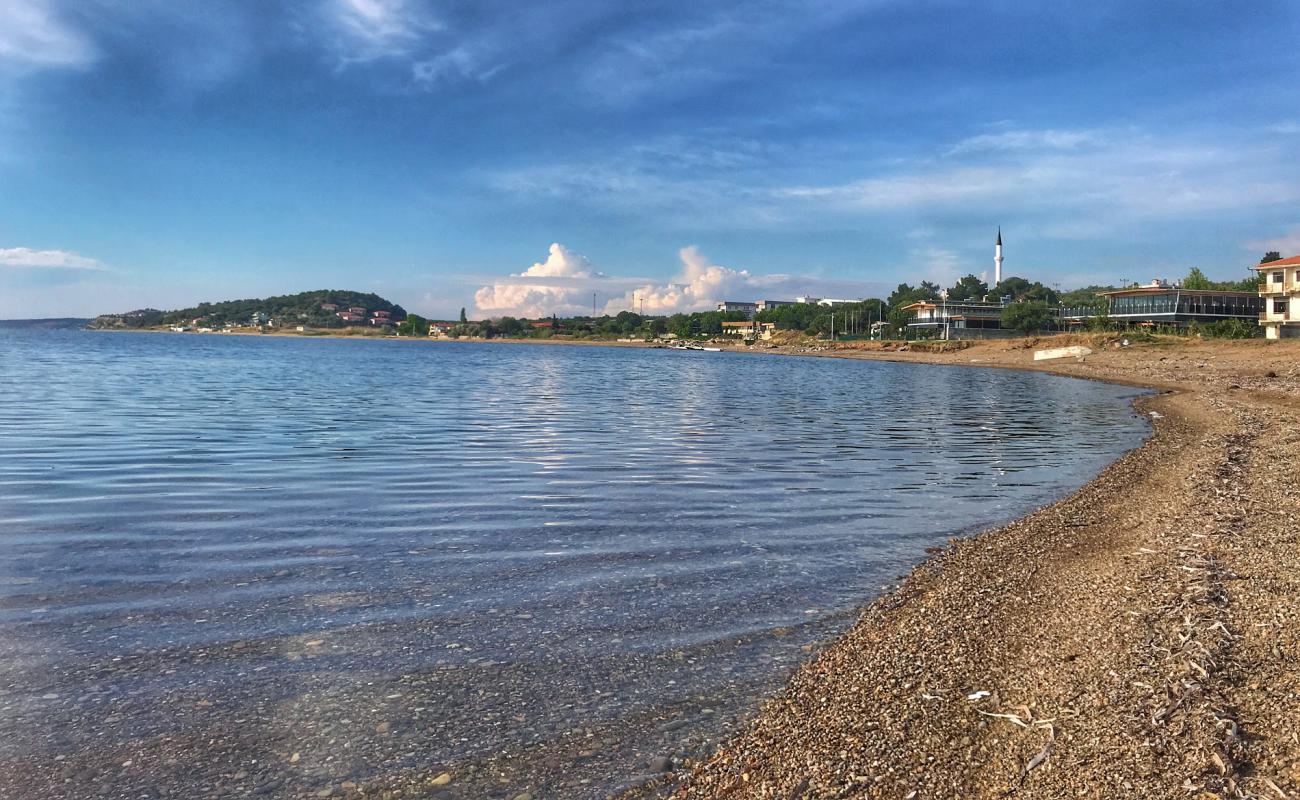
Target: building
(328,307)
(764,305)
(381,314)
(749,329)
(439,330)
(733,306)
(828,302)
(959,319)
(1279,294)
(1160,303)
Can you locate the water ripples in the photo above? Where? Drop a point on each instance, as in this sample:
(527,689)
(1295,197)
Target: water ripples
(438,504)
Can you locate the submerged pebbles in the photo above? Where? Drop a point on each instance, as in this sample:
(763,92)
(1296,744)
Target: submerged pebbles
(1138,639)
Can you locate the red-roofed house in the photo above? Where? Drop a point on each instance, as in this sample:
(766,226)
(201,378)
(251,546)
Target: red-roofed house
(1280,289)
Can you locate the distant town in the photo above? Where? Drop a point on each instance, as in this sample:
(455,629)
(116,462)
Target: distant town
(1264,304)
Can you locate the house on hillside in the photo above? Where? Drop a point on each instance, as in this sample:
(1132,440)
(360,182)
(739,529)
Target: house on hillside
(1279,293)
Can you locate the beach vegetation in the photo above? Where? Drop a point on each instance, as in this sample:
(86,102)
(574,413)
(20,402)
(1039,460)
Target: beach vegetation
(1027,316)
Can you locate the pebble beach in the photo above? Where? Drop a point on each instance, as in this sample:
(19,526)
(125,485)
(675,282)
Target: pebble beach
(1137,639)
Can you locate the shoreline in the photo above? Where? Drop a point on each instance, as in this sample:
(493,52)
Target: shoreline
(1136,638)
(1118,642)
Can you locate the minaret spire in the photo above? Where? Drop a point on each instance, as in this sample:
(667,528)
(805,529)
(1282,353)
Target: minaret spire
(997,259)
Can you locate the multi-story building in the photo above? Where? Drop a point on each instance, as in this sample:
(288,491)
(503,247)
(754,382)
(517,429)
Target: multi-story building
(958,319)
(729,306)
(1279,290)
(763,305)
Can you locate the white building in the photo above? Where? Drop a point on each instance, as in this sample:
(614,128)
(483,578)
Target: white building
(1280,288)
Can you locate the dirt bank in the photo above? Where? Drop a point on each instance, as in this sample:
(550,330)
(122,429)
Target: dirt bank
(1138,639)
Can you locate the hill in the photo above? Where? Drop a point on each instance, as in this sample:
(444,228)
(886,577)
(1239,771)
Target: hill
(49,324)
(322,308)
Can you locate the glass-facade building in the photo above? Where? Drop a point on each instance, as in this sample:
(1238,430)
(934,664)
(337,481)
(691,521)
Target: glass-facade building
(1174,306)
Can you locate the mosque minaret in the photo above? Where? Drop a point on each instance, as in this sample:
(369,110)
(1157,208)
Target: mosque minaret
(997,259)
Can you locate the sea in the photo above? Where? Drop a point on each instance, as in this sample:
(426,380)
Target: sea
(241,566)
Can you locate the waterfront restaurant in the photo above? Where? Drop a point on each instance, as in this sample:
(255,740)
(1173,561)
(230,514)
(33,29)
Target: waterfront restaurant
(964,319)
(1159,303)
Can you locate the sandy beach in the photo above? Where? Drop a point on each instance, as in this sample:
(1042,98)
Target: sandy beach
(1137,639)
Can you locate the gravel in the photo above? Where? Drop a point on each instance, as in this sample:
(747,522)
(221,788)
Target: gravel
(1137,639)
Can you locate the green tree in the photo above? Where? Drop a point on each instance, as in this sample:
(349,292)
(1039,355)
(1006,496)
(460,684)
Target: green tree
(1029,316)
(1197,280)
(413,325)
(463,320)
(968,288)
(509,326)
(1270,257)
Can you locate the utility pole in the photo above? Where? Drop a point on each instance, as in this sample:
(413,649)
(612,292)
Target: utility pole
(593,305)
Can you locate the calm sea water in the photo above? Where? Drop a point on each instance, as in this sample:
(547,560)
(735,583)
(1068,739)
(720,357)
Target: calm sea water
(234,566)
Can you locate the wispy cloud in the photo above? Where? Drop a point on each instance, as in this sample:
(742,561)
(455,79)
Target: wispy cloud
(1137,175)
(1025,140)
(1288,244)
(371,29)
(27,258)
(33,35)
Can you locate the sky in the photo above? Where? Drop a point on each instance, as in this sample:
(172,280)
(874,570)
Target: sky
(536,158)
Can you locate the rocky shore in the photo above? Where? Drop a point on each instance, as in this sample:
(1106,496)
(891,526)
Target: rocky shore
(1141,638)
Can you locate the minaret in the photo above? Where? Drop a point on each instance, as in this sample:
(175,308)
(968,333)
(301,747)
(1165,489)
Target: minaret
(997,259)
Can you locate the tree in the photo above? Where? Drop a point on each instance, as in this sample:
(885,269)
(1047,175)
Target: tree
(1270,257)
(509,326)
(1197,280)
(462,315)
(968,288)
(413,325)
(1026,316)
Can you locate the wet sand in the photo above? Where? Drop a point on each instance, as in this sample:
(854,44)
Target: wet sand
(1138,639)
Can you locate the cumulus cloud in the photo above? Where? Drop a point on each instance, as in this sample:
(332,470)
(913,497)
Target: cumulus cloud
(27,258)
(32,35)
(563,284)
(558,285)
(698,286)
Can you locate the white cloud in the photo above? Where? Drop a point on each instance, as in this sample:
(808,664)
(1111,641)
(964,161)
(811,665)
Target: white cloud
(372,29)
(1129,177)
(459,63)
(557,285)
(27,258)
(698,286)
(32,35)
(1288,244)
(1021,140)
(564,283)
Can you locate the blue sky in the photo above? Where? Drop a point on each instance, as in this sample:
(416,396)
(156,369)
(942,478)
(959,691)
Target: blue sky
(515,158)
